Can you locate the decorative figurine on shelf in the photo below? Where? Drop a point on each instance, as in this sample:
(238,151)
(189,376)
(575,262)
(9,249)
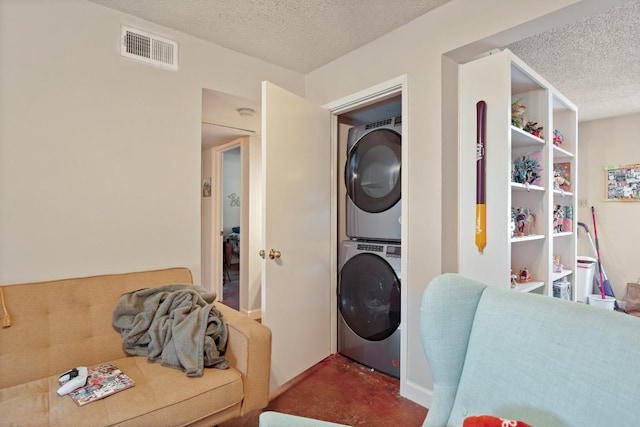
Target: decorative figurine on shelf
(531,218)
(530,175)
(557,179)
(517,171)
(533,129)
(567,223)
(521,221)
(561,174)
(514,280)
(512,226)
(557,265)
(558,138)
(526,170)
(517,113)
(524,276)
(558,219)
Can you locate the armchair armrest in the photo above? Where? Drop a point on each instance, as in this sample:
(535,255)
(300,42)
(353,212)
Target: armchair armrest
(249,351)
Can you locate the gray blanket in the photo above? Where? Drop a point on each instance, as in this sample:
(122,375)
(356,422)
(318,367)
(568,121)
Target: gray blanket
(176,325)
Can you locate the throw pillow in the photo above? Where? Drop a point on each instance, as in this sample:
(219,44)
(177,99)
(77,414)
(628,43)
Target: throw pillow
(491,421)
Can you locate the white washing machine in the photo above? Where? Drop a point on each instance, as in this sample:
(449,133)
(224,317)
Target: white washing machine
(372,178)
(369,305)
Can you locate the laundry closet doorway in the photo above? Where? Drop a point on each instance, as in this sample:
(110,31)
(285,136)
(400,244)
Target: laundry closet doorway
(381,109)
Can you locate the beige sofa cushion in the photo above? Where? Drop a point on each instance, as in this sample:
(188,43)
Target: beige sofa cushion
(161,396)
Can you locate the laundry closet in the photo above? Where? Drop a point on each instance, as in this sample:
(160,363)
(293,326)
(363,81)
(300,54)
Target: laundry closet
(369,235)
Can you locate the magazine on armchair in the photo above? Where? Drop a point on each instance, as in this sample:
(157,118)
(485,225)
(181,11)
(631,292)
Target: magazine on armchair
(103,380)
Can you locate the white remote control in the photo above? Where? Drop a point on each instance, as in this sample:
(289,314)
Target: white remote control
(73,379)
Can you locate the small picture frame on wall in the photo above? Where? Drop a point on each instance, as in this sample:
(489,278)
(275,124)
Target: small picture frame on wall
(206,187)
(622,183)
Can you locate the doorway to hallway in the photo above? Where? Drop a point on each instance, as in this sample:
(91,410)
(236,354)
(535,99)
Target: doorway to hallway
(230,165)
(229,206)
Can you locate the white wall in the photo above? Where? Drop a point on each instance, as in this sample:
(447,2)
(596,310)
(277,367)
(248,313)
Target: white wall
(416,49)
(100,155)
(609,142)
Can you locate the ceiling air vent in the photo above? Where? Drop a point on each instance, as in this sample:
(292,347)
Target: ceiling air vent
(149,48)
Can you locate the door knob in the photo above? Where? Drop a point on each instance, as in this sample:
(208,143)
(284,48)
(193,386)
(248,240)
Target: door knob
(274,254)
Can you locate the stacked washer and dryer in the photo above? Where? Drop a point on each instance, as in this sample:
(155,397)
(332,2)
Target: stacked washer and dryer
(369,282)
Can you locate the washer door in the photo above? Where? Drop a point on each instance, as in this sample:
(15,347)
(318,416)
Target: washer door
(369,296)
(372,172)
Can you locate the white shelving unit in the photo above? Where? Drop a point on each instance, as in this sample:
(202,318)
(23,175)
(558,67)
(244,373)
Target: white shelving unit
(499,80)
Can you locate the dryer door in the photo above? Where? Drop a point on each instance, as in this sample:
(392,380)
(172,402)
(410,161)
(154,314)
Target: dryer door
(369,296)
(372,172)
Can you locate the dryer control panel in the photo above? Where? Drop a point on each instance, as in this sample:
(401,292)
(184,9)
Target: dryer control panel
(390,251)
(393,251)
(370,247)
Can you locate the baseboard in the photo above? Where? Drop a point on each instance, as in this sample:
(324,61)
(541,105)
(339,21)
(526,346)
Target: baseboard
(416,393)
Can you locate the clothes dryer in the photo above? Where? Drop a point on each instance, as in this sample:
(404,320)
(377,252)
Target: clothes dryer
(372,178)
(369,305)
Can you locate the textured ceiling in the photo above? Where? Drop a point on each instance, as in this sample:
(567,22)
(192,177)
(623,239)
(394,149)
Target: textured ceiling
(594,61)
(300,35)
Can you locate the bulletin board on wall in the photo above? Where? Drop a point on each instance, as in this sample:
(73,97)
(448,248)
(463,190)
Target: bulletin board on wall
(622,183)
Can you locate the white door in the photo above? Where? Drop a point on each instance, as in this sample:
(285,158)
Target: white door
(296,181)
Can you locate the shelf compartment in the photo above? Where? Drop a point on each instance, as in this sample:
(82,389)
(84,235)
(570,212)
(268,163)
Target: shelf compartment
(523,139)
(516,186)
(529,238)
(559,153)
(557,276)
(529,286)
(563,234)
(562,193)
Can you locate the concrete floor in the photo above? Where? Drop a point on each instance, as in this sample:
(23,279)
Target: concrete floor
(342,391)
